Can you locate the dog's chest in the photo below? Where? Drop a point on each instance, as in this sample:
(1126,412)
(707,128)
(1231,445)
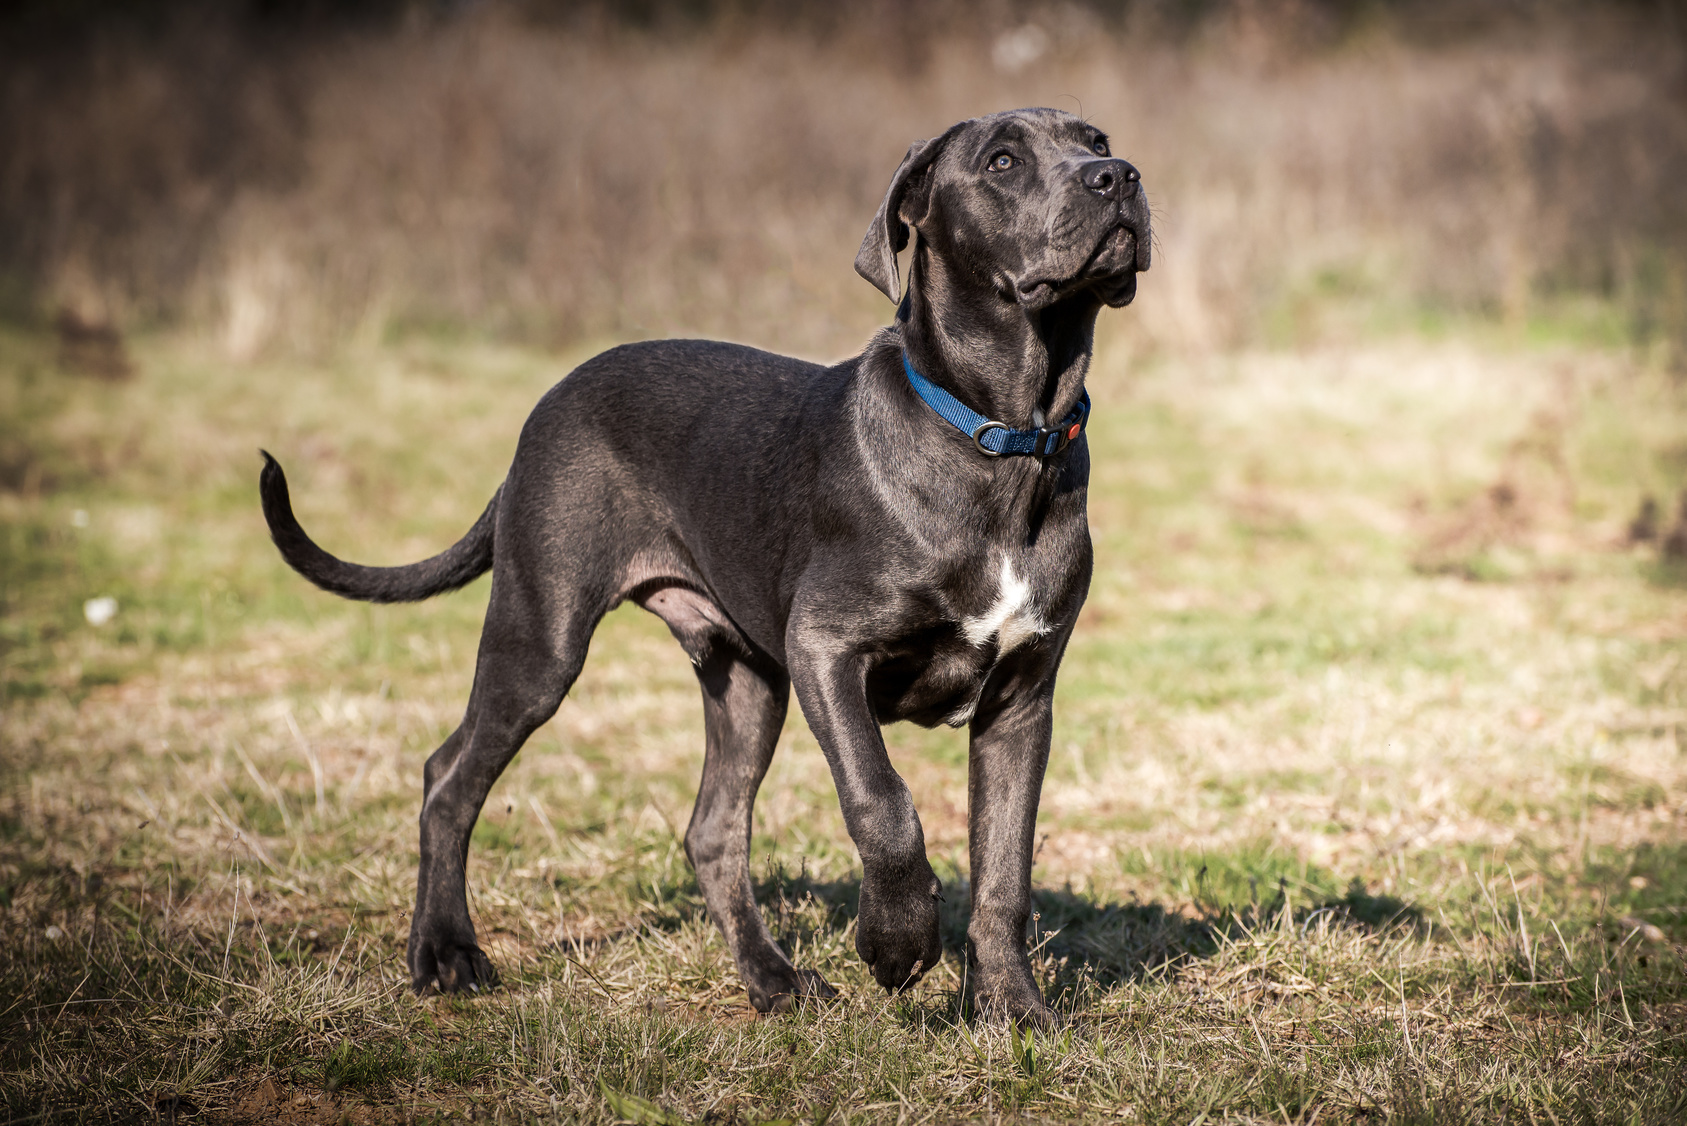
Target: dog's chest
(940,666)
(1011,617)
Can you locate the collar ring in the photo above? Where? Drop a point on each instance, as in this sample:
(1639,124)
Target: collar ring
(982,429)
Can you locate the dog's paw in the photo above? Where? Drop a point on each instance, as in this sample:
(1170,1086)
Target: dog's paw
(1025,1008)
(776,986)
(450,966)
(1008,993)
(802,986)
(896,932)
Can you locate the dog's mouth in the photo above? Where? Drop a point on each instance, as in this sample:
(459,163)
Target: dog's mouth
(1115,264)
(1110,271)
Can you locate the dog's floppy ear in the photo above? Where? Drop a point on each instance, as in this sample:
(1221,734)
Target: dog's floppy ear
(888,234)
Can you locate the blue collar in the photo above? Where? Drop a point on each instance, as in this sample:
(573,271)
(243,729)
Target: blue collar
(993,438)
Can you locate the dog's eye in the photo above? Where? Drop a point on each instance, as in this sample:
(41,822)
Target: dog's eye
(1002,161)
(1101,148)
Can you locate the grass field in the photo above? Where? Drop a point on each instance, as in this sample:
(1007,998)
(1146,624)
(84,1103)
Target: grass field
(1368,800)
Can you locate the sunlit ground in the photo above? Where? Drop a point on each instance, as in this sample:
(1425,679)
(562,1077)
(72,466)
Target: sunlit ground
(1368,789)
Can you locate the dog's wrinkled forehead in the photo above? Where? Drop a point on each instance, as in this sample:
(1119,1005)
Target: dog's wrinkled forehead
(1047,136)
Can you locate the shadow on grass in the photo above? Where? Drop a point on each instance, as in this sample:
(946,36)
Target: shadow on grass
(1084,938)
(1358,906)
(1082,943)
(1114,942)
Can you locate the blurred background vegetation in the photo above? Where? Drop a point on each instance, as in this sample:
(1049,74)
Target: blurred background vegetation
(293,176)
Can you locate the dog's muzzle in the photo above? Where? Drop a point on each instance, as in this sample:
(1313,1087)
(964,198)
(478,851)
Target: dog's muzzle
(1126,245)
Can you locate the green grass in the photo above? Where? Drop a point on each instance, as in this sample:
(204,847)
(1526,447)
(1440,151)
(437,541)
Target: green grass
(1366,798)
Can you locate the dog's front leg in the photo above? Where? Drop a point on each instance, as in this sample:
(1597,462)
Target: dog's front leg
(896,930)
(1009,753)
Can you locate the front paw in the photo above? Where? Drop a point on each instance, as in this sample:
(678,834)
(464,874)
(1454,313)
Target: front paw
(896,931)
(442,959)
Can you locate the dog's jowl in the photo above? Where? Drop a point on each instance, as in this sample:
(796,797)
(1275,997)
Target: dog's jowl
(901,536)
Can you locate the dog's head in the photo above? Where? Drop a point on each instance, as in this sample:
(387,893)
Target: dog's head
(1031,203)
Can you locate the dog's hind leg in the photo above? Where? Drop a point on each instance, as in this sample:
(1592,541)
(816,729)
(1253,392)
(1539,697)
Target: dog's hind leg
(745,696)
(744,702)
(530,654)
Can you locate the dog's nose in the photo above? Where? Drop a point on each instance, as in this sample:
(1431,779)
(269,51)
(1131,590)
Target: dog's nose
(1111,179)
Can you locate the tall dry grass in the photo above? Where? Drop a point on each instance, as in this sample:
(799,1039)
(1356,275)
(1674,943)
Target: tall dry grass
(566,178)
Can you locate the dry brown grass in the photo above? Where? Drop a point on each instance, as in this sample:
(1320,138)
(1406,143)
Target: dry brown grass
(494,171)
(1327,836)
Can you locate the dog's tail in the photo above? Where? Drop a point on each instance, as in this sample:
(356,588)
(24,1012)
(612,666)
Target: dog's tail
(458,565)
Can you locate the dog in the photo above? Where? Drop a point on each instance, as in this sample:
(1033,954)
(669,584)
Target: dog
(900,536)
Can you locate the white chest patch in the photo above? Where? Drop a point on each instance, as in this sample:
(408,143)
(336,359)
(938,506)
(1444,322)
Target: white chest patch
(1012,620)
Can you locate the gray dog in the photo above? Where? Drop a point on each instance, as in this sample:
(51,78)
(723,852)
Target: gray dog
(900,536)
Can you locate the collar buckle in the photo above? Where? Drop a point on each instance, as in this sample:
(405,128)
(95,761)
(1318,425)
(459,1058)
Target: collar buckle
(1061,436)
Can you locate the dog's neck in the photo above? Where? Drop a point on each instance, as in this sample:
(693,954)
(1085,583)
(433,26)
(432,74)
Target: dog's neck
(1021,367)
